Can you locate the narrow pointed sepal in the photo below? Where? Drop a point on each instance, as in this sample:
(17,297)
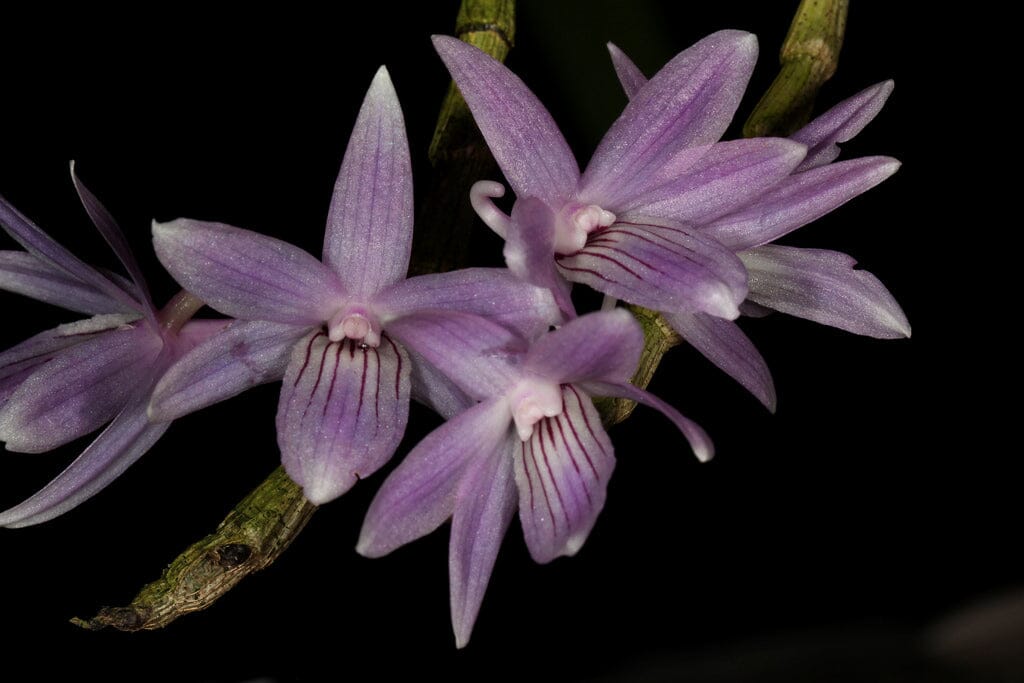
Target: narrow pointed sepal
(660,266)
(523,137)
(687,104)
(419,495)
(123,442)
(23,273)
(242,356)
(604,345)
(798,200)
(840,124)
(562,474)
(486,504)
(247,275)
(824,286)
(724,344)
(630,77)
(530,248)
(342,412)
(78,390)
(369,225)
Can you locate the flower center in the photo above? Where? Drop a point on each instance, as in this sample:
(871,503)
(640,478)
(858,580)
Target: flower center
(575,223)
(355,323)
(531,401)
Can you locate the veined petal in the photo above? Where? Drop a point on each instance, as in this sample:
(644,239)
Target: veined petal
(523,138)
(419,495)
(839,124)
(480,356)
(628,73)
(603,345)
(689,103)
(78,390)
(247,275)
(342,412)
(123,442)
(723,343)
(485,505)
(660,266)
(823,286)
(798,200)
(369,226)
(700,442)
(23,273)
(244,355)
(42,246)
(493,293)
(728,176)
(530,249)
(562,475)
(10,381)
(108,227)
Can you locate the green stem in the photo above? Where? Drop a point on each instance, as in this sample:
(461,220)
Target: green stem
(259,528)
(809,57)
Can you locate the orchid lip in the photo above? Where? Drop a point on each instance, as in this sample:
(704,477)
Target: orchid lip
(577,223)
(355,323)
(531,400)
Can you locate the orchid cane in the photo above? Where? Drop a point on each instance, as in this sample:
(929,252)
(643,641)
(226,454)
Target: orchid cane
(67,382)
(331,328)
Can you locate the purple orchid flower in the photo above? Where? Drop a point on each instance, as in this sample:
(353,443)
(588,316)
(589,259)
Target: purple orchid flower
(534,441)
(660,212)
(815,284)
(69,381)
(335,330)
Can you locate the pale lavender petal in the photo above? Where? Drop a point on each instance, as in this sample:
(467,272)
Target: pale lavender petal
(78,390)
(108,227)
(603,345)
(485,505)
(41,347)
(839,124)
(342,412)
(41,245)
(433,389)
(419,495)
(479,355)
(23,273)
(493,293)
(660,266)
(562,475)
(523,138)
(724,344)
(823,286)
(244,355)
(798,200)
(10,381)
(247,275)
(687,104)
(628,73)
(123,442)
(752,310)
(369,226)
(530,249)
(728,176)
(700,442)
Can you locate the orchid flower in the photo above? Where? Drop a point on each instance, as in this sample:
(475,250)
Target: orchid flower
(335,330)
(534,441)
(815,284)
(660,212)
(69,381)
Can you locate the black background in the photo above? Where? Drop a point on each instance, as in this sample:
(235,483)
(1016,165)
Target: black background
(819,542)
